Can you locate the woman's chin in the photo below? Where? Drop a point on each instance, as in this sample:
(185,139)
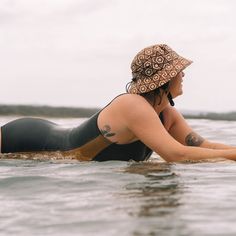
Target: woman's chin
(180,91)
(177,94)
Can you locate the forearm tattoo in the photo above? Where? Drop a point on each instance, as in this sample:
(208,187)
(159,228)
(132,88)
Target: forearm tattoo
(193,139)
(106,131)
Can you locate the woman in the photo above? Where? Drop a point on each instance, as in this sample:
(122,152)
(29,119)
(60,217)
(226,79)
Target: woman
(131,126)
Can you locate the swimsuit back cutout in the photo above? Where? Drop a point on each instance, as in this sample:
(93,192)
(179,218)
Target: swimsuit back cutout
(106,150)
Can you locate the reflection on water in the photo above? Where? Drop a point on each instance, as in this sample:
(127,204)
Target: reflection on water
(157,197)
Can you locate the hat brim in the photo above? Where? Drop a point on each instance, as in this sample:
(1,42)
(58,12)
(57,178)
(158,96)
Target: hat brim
(146,84)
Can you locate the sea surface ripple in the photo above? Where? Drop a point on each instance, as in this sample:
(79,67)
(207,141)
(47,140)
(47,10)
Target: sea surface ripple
(67,197)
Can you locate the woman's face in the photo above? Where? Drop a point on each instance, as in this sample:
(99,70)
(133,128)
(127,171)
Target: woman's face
(176,87)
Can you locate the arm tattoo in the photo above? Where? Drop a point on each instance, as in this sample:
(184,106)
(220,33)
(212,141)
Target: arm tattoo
(106,131)
(193,139)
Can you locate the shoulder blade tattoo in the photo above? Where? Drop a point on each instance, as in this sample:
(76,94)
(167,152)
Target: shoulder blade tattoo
(193,139)
(106,131)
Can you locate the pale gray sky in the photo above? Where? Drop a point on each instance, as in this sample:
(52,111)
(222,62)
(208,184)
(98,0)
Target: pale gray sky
(78,52)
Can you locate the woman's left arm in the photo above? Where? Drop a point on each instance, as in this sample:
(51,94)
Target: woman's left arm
(183,133)
(213,145)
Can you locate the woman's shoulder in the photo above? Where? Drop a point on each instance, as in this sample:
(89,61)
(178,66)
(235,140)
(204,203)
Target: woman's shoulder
(131,106)
(126,105)
(122,111)
(127,100)
(170,111)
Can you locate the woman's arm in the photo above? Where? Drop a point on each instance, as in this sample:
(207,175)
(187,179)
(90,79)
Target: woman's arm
(145,124)
(182,132)
(212,145)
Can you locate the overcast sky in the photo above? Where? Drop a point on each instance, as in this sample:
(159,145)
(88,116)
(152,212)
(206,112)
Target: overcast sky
(78,52)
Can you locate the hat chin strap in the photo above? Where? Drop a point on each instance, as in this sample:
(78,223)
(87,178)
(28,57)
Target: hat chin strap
(169,96)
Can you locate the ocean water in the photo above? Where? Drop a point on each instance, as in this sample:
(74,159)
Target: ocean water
(67,197)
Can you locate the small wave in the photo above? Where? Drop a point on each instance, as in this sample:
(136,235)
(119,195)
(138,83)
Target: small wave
(40,156)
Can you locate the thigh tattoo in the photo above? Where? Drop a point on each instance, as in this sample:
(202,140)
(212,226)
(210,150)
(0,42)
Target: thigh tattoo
(193,139)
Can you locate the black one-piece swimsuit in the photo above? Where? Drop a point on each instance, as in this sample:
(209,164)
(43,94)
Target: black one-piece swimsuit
(85,141)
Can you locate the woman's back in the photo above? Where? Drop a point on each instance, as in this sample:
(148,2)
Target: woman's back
(104,136)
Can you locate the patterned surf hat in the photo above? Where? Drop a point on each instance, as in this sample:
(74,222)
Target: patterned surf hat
(154,66)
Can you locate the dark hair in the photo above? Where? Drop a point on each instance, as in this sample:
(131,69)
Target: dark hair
(151,96)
